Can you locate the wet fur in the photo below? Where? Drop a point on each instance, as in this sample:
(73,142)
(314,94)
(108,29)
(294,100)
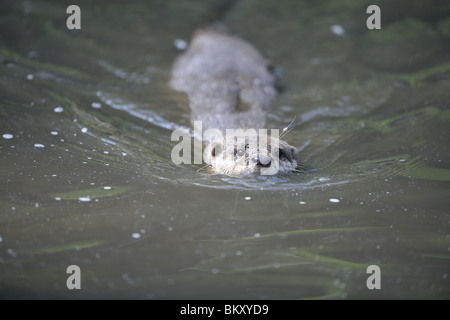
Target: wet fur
(229,87)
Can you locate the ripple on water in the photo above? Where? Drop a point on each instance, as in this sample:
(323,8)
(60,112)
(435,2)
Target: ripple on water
(162,168)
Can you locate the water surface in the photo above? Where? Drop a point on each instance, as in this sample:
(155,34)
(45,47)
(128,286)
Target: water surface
(86,177)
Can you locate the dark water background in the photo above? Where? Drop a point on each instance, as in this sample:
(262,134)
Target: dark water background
(86,176)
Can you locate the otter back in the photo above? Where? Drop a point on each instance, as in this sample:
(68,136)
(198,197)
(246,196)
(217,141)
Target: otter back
(226,80)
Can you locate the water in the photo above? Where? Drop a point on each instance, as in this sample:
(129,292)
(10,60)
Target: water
(86,177)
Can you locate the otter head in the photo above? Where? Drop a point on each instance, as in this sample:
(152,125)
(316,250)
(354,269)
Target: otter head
(246,154)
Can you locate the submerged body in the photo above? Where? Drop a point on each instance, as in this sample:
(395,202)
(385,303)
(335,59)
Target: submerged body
(229,87)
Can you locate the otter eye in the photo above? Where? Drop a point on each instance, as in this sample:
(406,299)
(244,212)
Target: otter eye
(240,153)
(216,150)
(281,154)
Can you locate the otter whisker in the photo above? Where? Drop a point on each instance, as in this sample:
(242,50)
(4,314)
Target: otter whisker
(284,133)
(285,130)
(205,166)
(301,168)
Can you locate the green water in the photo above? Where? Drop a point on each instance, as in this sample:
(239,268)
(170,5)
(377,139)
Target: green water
(86,176)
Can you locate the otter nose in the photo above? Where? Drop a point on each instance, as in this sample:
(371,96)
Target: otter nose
(264,161)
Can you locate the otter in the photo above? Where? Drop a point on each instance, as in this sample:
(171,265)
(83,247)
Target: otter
(229,86)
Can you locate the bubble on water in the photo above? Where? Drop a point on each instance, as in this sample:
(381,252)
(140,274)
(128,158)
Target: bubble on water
(136,235)
(170,228)
(248,198)
(58,109)
(214,271)
(84,199)
(315,61)
(239,253)
(7,136)
(257,235)
(30,76)
(124,153)
(106,152)
(107,188)
(127,278)
(180,44)
(337,30)
(84,130)
(38,145)
(334,200)
(58,198)
(287,108)
(11,252)
(54,133)
(96,105)
(302,202)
